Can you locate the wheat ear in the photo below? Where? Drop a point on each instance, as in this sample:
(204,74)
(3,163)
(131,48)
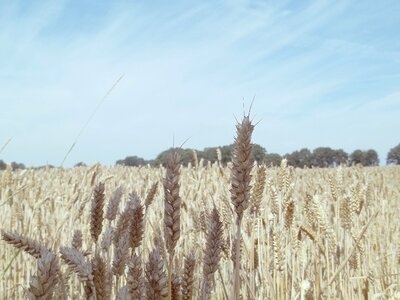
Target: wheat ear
(42,285)
(101,278)
(212,252)
(136,226)
(242,163)
(257,191)
(23,243)
(172,213)
(77,239)
(151,194)
(156,279)
(123,221)
(135,278)
(188,277)
(97,212)
(113,204)
(78,264)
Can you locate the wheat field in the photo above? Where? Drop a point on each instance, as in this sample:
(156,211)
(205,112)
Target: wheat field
(172,232)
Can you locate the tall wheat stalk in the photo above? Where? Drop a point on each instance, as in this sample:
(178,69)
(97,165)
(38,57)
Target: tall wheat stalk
(172,214)
(242,164)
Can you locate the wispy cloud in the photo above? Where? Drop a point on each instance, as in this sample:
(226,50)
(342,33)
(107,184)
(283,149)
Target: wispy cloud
(317,70)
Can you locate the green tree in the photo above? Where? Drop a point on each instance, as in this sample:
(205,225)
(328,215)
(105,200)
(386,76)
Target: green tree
(17,166)
(393,157)
(259,153)
(210,153)
(371,158)
(365,158)
(3,165)
(300,158)
(340,157)
(327,157)
(272,159)
(356,157)
(323,157)
(131,161)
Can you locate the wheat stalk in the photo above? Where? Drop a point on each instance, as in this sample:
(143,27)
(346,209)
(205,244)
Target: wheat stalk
(172,214)
(242,164)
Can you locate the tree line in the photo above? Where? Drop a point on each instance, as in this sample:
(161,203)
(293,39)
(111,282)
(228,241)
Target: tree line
(320,157)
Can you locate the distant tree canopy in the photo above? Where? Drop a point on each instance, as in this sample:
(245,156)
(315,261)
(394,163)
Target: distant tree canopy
(3,165)
(300,158)
(17,166)
(272,159)
(393,157)
(210,154)
(328,157)
(81,164)
(132,161)
(321,157)
(365,158)
(14,166)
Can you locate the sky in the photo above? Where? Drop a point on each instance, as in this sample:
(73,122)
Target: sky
(321,73)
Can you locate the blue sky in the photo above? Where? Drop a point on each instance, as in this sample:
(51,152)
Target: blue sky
(323,73)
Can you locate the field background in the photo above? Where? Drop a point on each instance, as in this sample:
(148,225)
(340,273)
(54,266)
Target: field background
(280,259)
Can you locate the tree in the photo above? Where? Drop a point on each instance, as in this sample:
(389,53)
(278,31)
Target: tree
(393,157)
(365,158)
(3,165)
(371,158)
(323,157)
(210,154)
(17,166)
(131,161)
(81,164)
(300,158)
(357,157)
(328,157)
(259,153)
(340,157)
(272,159)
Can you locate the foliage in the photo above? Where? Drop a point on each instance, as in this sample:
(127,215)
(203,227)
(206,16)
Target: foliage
(328,157)
(393,156)
(365,158)
(300,158)
(272,159)
(132,161)
(17,166)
